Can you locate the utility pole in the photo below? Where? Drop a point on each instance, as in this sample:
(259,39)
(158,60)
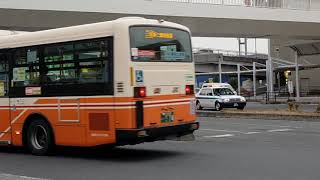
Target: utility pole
(270,69)
(239,80)
(254,81)
(297,76)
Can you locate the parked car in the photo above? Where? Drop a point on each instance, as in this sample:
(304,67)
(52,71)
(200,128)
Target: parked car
(219,98)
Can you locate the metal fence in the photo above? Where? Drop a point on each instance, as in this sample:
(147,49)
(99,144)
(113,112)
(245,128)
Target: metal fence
(283,94)
(283,4)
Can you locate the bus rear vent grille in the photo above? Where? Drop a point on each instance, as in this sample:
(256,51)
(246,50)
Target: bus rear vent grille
(120,87)
(99,121)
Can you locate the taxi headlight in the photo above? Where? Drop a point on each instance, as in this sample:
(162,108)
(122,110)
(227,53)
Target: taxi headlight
(242,99)
(226,100)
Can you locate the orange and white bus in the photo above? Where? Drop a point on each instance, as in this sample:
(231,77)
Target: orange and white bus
(120,82)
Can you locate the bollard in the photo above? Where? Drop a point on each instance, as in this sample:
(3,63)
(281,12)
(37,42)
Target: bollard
(296,106)
(290,106)
(293,106)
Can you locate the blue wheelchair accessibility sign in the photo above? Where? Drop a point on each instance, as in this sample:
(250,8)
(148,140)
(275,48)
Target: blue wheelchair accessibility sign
(139,76)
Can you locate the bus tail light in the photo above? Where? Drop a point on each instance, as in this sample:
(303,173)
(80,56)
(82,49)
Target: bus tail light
(140,92)
(189,89)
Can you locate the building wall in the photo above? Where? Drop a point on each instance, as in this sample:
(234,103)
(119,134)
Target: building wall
(307,77)
(203,68)
(208,68)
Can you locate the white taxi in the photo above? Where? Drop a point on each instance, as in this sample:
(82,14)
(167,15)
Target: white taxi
(219,98)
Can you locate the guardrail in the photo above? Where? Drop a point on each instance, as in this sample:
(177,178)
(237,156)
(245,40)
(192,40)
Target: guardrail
(282,4)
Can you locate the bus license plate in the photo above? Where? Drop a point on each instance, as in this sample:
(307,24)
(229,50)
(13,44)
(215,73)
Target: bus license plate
(167,117)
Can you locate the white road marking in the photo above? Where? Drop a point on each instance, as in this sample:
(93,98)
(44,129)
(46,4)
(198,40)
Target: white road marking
(252,124)
(247,133)
(253,133)
(222,130)
(279,130)
(16,177)
(219,136)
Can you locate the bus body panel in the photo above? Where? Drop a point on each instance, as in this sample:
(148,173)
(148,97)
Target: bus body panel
(165,86)
(4,120)
(120,114)
(94,127)
(180,109)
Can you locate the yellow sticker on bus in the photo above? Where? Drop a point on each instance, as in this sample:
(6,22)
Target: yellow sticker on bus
(150,34)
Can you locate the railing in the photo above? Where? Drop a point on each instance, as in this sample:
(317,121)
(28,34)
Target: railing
(283,94)
(231,53)
(283,4)
(276,97)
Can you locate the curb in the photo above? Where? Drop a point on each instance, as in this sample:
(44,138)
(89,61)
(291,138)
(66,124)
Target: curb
(258,116)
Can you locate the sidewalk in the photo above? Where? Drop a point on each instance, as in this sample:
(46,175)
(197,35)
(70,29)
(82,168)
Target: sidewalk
(284,100)
(255,110)
(276,107)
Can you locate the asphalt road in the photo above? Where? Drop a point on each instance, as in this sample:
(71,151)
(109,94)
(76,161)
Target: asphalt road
(225,149)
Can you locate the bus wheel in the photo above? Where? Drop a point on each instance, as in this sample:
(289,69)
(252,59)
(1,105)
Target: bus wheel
(199,107)
(39,138)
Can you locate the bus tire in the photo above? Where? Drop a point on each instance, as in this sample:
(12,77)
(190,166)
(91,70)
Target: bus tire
(39,140)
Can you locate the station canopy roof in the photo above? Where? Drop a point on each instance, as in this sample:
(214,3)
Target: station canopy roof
(307,49)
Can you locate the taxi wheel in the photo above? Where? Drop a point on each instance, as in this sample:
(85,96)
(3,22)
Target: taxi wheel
(218,106)
(199,107)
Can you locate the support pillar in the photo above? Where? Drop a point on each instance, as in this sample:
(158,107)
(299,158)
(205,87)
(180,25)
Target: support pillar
(239,81)
(270,69)
(297,76)
(220,71)
(254,81)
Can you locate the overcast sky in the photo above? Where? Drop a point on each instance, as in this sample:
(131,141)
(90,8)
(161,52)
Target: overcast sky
(229,44)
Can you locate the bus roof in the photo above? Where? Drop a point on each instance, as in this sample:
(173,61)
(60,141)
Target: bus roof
(80,32)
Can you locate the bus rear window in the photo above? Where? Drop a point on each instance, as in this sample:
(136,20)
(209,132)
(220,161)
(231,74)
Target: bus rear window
(158,44)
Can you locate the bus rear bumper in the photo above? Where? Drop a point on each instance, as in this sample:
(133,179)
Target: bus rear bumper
(136,136)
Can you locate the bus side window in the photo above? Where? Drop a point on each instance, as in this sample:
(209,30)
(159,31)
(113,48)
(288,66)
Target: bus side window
(78,68)
(3,75)
(92,56)
(59,64)
(26,71)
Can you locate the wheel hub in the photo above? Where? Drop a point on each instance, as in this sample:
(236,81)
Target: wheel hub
(39,137)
